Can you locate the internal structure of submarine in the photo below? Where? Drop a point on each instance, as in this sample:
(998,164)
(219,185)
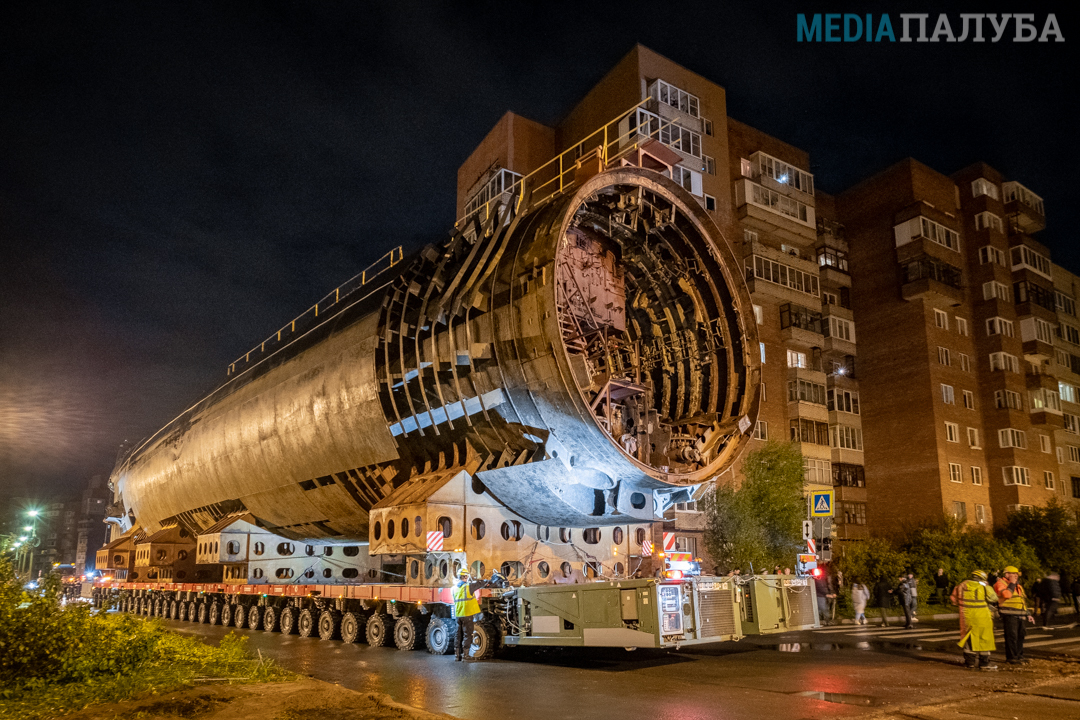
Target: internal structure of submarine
(528,396)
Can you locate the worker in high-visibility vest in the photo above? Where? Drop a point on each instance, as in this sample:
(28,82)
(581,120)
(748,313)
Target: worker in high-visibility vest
(466,609)
(1012,603)
(973,596)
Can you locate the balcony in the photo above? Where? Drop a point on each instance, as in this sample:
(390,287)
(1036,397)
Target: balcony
(923,277)
(771,211)
(800,325)
(1024,208)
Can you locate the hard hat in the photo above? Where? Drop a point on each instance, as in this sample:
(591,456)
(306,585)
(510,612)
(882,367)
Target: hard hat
(979,575)
(463,572)
(1012,568)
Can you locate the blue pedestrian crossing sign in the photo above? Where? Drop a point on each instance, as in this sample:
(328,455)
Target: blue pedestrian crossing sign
(821,503)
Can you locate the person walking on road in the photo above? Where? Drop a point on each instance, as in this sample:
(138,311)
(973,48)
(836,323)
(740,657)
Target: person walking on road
(1049,593)
(976,626)
(466,608)
(860,595)
(1012,604)
(823,590)
(941,586)
(883,594)
(913,597)
(903,593)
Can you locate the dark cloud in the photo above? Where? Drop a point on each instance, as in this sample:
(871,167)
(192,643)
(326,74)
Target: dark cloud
(177,180)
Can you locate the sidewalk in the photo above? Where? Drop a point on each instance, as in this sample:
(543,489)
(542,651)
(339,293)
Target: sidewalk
(874,617)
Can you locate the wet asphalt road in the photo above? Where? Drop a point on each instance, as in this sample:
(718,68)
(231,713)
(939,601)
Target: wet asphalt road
(817,674)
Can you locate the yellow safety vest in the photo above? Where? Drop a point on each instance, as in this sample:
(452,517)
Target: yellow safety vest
(465,604)
(973,595)
(1010,603)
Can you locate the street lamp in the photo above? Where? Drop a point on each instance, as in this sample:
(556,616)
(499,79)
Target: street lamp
(31,528)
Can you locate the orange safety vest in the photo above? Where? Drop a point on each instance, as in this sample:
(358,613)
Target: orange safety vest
(1010,602)
(465,604)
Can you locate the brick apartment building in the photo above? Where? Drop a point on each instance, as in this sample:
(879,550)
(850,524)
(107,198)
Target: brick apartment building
(817,389)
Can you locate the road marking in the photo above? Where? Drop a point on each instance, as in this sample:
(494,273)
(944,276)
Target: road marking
(1059,641)
(914,633)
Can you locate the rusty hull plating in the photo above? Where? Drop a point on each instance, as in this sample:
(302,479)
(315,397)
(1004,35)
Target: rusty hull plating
(586,360)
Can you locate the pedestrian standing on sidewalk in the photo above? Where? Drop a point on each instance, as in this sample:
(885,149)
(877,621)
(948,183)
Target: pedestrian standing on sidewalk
(883,594)
(903,594)
(824,593)
(976,626)
(913,584)
(941,586)
(860,595)
(1012,604)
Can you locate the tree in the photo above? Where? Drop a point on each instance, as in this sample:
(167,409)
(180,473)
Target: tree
(960,549)
(872,560)
(1051,531)
(759,525)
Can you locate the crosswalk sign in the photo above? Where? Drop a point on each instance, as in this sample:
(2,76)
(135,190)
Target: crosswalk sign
(821,503)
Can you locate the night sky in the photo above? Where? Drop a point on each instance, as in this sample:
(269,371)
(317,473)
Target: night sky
(178,180)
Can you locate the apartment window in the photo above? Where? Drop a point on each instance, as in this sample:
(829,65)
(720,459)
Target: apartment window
(1074,453)
(669,133)
(1071,425)
(1063,303)
(851,513)
(956,473)
(803,391)
(832,258)
(1075,487)
(828,298)
(980,514)
(1034,328)
(1015,475)
(796,359)
(763,394)
(964,362)
(973,437)
(709,165)
(846,437)
(939,234)
(959,510)
(708,127)
(745,168)
(1066,392)
(982,186)
(1060,454)
(1062,359)
(989,254)
(947,395)
(848,475)
(676,98)
(749,236)
(985,220)
(1025,292)
(1068,333)
(766,198)
(961,326)
(774,272)
(800,317)
(759,315)
(710,202)
(761,430)
(969,400)
(785,174)
(1043,399)
(840,328)
(844,401)
(1048,479)
(817,471)
(941,319)
(1011,437)
(808,431)
(1023,256)
(999,326)
(689,179)
(976,475)
(994,289)
(952,432)
(1044,443)
(943,356)
(1004,361)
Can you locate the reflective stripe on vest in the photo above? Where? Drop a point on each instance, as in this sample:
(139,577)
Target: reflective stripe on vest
(971,597)
(465,604)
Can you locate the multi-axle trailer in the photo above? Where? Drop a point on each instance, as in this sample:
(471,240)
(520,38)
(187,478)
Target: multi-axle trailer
(635,613)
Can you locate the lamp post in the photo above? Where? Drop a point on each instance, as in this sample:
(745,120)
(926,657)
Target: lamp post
(33,514)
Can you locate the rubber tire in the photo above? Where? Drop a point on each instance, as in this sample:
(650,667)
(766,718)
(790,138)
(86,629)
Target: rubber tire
(240,616)
(288,620)
(410,631)
(226,615)
(192,611)
(352,627)
(204,613)
(254,617)
(330,625)
(215,613)
(440,636)
(487,641)
(183,616)
(380,629)
(270,619)
(174,610)
(305,623)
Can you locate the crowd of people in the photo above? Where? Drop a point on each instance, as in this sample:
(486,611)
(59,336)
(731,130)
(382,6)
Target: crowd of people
(981,599)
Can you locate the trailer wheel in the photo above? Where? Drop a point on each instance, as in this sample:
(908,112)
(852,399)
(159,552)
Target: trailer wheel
(159,608)
(226,615)
(287,621)
(409,632)
(215,613)
(379,629)
(329,625)
(305,623)
(270,619)
(174,610)
(192,611)
(254,616)
(239,616)
(351,623)
(440,636)
(204,613)
(182,611)
(486,641)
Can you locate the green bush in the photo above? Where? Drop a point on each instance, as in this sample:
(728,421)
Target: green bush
(960,550)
